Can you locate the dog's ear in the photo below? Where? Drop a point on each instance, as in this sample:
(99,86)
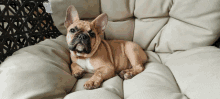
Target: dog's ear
(100,23)
(71,15)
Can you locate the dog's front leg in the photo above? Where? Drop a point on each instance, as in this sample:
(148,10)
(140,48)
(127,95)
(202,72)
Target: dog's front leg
(77,71)
(101,74)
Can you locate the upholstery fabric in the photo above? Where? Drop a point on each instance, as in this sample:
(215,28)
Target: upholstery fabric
(155,82)
(110,89)
(38,71)
(196,71)
(92,94)
(120,30)
(156,25)
(120,9)
(191,74)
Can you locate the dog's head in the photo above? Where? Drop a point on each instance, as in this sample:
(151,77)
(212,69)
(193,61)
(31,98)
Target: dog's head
(82,36)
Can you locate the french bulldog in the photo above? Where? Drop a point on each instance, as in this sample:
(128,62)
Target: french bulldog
(104,58)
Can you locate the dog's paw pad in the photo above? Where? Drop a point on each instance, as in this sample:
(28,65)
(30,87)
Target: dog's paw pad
(126,74)
(91,85)
(88,86)
(121,74)
(79,74)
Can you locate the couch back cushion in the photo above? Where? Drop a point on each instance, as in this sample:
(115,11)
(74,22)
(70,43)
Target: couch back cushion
(157,25)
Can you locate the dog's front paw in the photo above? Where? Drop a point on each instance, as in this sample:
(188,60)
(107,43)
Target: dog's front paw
(79,74)
(92,85)
(126,74)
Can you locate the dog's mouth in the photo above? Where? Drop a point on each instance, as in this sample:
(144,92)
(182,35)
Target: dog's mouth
(80,46)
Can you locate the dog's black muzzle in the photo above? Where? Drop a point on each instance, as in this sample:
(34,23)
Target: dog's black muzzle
(82,39)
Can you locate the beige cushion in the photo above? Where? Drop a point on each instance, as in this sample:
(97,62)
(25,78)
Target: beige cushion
(196,71)
(118,9)
(191,74)
(110,89)
(192,23)
(165,25)
(155,82)
(156,25)
(38,71)
(121,30)
(87,9)
(152,8)
(146,30)
(93,94)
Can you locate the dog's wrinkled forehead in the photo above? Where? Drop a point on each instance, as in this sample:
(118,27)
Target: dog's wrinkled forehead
(81,25)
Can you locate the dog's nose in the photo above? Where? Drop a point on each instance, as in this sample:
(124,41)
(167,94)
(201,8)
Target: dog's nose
(82,36)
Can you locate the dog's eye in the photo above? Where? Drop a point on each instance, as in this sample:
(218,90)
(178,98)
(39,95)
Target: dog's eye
(91,33)
(72,30)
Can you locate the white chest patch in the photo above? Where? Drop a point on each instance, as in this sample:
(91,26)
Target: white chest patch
(85,64)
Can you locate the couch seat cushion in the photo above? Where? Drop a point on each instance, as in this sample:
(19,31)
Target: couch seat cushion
(110,89)
(38,71)
(155,82)
(196,71)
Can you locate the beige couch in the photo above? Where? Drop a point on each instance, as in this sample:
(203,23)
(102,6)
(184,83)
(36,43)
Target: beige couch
(176,34)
